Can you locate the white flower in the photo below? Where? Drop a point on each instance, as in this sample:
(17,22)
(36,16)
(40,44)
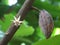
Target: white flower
(16,21)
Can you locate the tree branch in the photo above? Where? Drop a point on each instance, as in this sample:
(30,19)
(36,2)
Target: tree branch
(12,29)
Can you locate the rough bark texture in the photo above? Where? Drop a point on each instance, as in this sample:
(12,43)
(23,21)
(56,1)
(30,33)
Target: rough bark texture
(12,29)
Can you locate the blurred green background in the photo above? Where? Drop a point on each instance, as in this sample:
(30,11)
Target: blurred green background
(30,33)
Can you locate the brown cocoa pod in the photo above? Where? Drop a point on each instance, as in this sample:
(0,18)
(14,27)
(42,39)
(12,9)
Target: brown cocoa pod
(46,23)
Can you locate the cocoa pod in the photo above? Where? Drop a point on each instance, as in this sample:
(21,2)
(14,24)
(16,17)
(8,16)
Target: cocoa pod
(46,23)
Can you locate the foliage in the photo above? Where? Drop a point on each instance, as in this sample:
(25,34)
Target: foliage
(50,41)
(30,32)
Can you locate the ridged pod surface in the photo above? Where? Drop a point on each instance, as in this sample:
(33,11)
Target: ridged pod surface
(46,23)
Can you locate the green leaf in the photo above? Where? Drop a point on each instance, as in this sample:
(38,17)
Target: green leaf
(51,41)
(40,33)
(5,25)
(54,10)
(25,30)
(54,0)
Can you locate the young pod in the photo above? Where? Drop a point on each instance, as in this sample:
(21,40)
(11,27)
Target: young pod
(46,23)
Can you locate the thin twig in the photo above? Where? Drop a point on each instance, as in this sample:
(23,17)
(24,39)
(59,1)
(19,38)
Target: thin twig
(35,8)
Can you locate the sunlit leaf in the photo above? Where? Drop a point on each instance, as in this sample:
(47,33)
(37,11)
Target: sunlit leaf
(52,41)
